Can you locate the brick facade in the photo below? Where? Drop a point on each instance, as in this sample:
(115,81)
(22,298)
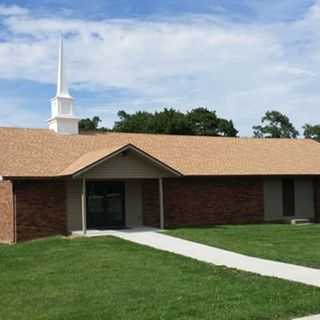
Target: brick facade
(150,203)
(204,201)
(6,212)
(188,201)
(40,209)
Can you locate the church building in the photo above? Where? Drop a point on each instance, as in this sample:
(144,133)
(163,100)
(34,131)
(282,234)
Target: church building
(59,181)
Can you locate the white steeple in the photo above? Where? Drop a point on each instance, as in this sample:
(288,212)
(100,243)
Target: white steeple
(62,85)
(62,118)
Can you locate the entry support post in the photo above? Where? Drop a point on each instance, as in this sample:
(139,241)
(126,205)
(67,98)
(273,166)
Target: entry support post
(84,207)
(161,204)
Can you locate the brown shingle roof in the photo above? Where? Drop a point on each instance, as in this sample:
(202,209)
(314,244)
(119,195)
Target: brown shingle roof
(89,158)
(42,153)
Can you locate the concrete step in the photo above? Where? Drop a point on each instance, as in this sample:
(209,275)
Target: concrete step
(300,221)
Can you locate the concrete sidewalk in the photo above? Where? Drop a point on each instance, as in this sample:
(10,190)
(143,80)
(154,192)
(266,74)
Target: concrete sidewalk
(316,317)
(157,240)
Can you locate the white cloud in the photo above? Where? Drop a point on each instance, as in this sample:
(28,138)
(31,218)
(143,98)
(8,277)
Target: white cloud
(12,10)
(236,68)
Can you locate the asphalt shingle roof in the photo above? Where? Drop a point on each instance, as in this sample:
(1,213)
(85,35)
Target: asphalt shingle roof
(43,153)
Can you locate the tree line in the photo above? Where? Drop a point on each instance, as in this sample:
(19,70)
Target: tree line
(201,122)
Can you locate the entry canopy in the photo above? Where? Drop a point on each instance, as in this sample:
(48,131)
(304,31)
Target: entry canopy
(92,159)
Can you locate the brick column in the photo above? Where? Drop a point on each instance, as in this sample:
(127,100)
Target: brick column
(6,212)
(151,203)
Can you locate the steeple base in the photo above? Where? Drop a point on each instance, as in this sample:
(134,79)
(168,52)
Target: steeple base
(64,125)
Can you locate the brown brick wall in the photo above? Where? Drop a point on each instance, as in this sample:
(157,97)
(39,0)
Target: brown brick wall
(6,212)
(150,203)
(40,209)
(202,201)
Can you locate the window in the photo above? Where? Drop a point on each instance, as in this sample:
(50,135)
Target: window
(288,197)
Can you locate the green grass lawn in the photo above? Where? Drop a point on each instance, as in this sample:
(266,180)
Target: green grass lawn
(108,278)
(288,243)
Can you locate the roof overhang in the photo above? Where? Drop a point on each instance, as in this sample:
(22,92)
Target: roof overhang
(109,155)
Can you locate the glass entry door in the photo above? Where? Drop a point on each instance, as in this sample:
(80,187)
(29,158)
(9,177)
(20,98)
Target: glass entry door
(288,200)
(105,205)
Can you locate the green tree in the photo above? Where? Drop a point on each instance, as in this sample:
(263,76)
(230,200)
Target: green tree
(203,122)
(200,121)
(168,121)
(206,122)
(312,131)
(91,124)
(171,121)
(138,122)
(227,129)
(275,125)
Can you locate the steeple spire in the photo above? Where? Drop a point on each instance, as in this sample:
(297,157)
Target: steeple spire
(62,85)
(62,119)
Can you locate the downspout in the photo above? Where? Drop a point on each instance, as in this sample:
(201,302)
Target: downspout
(14,204)
(316,199)
(161,203)
(84,207)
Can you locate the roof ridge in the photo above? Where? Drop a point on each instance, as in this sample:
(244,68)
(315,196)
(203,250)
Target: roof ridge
(99,133)
(23,128)
(192,136)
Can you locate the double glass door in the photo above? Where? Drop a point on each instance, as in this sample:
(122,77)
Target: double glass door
(105,205)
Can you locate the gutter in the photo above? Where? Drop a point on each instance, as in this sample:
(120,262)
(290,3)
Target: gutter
(12,178)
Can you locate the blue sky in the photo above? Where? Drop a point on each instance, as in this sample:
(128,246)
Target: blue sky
(239,58)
